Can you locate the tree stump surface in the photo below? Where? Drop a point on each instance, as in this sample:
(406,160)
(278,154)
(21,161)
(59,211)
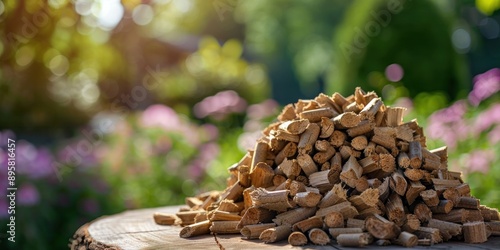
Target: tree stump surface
(136,229)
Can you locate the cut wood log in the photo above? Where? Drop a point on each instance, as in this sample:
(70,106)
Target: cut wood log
(253,231)
(429,233)
(293,216)
(254,215)
(415,154)
(307,199)
(351,172)
(446,229)
(272,200)
(275,234)
(297,239)
(395,209)
(475,232)
(318,237)
(381,228)
(334,219)
(407,239)
(354,240)
(414,189)
(308,138)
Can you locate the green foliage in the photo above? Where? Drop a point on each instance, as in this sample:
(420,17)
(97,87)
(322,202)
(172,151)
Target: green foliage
(297,40)
(210,69)
(376,34)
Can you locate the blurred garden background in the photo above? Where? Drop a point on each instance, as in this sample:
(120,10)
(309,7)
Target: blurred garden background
(118,105)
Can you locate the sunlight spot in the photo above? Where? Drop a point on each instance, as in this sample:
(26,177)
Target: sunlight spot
(142,14)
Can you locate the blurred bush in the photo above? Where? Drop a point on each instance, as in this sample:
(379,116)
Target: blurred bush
(128,104)
(380,33)
(295,45)
(80,57)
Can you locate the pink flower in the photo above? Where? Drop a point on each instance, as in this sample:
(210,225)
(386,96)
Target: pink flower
(488,118)
(208,152)
(5,135)
(485,85)
(262,110)
(449,124)
(211,131)
(28,195)
(247,140)
(220,105)
(494,135)
(480,161)
(32,162)
(161,116)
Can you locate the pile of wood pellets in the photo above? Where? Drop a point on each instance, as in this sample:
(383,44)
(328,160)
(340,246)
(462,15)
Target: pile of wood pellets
(341,170)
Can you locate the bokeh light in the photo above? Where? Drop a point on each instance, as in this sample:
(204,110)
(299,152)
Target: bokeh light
(394,72)
(489,27)
(461,40)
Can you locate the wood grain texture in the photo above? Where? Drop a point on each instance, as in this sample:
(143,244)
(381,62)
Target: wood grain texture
(136,229)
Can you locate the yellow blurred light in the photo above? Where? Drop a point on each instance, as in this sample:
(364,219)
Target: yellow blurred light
(254,75)
(48,55)
(2,8)
(59,65)
(56,4)
(182,5)
(209,43)
(66,21)
(194,64)
(162,1)
(100,36)
(376,79)
(33,6)
(83,7)
(60,92)
(90,93)
(142,14)
(232,48)
(25,55)
(130,4)
(488,6)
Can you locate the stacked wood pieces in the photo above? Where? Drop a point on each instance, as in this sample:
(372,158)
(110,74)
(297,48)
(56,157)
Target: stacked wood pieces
(345,170)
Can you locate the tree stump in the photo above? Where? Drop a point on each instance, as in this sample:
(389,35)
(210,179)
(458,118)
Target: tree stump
(136,230)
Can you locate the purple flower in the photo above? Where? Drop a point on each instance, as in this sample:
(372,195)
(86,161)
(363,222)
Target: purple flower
(211,131)
(449,125)
(485,85)
(480,160)
(161,116)
(5,135)
(220,105)
(488,118)
(208,152)
(247,140)
(162,145)
(28,195)
(32,162)
(3,172)
(90,206)
(262,110)
(494,135)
